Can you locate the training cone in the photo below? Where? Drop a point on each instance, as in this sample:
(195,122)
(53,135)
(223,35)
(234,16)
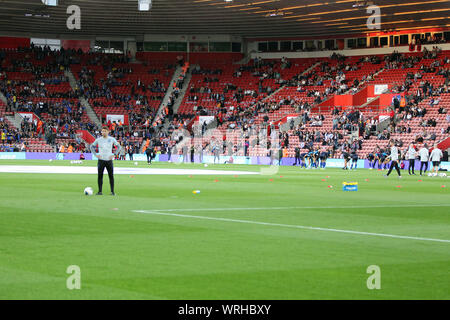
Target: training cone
(330,187)
(443,186)
(323,180)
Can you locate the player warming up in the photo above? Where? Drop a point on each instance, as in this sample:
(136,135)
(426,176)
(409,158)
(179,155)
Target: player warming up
(394,156)
(105,158)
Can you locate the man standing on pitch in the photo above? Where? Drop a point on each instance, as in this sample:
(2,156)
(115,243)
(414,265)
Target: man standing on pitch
(394,156)
(423,153)
(411,155)
(105,158)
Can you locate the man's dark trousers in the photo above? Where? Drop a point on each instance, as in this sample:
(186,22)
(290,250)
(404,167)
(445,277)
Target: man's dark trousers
(102,164)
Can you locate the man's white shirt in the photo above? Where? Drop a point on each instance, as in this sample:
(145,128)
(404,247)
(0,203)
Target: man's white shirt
(423,154)
(105,146)
(394,153)
(411,153)
(436,154)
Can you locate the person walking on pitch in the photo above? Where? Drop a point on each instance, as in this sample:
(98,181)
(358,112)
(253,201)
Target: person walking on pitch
(394,156)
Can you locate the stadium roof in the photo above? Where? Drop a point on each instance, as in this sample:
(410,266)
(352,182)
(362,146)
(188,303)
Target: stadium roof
(257,18)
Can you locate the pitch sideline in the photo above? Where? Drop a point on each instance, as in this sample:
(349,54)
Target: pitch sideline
(154,212)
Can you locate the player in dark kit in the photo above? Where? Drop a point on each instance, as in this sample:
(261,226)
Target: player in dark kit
(377,156)
(354,157)
(371,159)
(382,164)
(105,156)
(316,155)
(150,153)
(323,156)
(297,157)
(303,157)
(346,156)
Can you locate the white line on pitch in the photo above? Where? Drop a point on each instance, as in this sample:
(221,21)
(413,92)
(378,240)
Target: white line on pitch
(291,226)
(290,208)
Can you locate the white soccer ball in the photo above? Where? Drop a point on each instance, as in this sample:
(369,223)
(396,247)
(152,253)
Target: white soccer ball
(442,175)
(430,174)
(88,191)
(135,163)
(50,160)
(206,165)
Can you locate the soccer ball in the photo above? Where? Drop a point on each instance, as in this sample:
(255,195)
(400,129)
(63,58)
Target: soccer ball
(442,175)
(206,165)
(50,160)
(88,191)
(135,163)
(430,174)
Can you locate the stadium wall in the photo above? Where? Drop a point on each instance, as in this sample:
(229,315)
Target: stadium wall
(14,42)
(324,54)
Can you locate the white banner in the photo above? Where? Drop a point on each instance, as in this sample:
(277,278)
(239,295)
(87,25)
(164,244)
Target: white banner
(115,117)
(380,88)
(207,119)
(27,115)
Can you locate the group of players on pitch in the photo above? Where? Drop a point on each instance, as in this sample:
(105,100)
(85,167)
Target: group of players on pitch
(393,155)
(388,158)
(314,159)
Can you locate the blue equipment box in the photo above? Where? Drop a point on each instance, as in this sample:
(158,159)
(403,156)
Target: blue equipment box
(349,186)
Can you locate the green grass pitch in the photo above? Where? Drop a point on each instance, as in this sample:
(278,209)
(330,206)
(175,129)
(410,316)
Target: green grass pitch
(47,224)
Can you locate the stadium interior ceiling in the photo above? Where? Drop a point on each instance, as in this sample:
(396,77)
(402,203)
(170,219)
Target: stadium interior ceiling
(257,18)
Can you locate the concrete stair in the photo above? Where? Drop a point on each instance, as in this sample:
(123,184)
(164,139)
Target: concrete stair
(180,98)
(89,111)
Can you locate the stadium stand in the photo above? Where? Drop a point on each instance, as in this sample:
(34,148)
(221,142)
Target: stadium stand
(261,93)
